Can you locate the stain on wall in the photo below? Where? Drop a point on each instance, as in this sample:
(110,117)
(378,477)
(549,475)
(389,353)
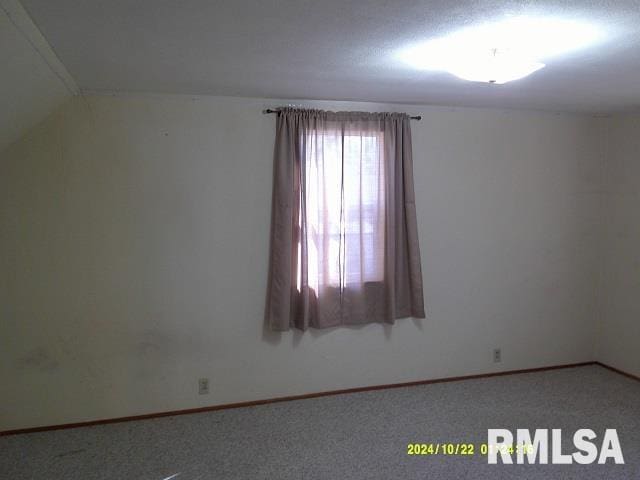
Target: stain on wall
(39,360)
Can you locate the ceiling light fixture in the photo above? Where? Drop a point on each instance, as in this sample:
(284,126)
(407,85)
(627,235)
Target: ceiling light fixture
(502,51)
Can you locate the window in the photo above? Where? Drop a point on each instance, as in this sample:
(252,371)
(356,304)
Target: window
(344,244)
(344,204)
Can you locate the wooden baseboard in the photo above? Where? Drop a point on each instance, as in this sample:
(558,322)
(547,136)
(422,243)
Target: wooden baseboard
(621,372)
(294,397)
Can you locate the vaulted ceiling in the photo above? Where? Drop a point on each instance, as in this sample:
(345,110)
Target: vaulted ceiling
(33,81)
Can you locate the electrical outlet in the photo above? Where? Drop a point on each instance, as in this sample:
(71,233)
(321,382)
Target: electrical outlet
(203,386)
(497,355)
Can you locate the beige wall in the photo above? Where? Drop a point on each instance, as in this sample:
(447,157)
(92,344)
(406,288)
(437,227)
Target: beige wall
(619,332)
(133,249)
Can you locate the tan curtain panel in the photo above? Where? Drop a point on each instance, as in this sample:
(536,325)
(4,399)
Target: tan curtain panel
(344,239)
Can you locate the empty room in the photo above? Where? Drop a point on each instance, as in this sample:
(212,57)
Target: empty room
(282,239)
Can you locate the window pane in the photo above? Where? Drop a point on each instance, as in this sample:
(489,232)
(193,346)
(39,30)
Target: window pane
(344,195)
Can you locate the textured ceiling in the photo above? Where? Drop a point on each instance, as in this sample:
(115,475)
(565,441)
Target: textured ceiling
(329,49)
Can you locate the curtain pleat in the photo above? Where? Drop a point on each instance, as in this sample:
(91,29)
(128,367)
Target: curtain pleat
(344,241)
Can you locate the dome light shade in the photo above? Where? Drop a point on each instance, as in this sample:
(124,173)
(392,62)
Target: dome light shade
(494,67)
(502,51)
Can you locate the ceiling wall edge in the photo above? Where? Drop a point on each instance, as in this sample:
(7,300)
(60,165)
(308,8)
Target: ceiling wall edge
(25,25)
(326,103)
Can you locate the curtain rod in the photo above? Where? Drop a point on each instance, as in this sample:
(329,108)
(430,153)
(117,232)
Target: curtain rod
(268,110)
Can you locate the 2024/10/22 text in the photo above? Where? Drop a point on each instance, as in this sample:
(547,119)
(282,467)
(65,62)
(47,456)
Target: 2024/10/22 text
(465,449)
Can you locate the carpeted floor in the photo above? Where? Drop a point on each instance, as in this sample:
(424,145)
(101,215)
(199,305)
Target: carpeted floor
(355,436)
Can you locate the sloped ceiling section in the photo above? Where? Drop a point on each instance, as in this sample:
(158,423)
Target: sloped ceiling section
(33,81)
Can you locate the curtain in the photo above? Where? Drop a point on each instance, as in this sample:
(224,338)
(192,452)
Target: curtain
(344,241)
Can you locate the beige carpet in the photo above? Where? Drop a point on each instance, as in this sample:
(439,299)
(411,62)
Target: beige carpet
(355,436)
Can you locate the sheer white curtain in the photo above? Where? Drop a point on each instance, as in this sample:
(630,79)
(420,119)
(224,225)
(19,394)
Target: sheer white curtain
(343,207)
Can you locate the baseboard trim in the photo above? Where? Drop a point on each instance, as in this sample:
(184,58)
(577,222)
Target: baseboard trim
(617,370)
(297,397)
